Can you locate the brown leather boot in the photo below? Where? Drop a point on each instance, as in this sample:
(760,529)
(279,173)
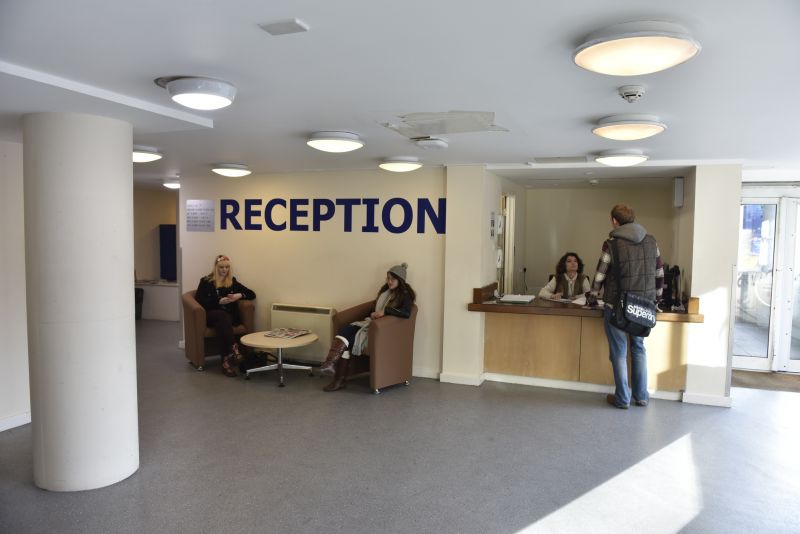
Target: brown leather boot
(337,348)
(339,381)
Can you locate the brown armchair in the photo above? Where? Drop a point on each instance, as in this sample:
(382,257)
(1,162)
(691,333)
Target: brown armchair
(390,346)
(201,341)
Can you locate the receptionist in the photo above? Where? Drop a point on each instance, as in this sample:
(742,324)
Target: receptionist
(569,281)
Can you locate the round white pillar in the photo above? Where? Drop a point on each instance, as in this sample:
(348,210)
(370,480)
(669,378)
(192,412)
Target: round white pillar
(78,183)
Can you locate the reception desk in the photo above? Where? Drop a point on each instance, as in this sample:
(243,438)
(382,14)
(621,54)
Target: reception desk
(566,343)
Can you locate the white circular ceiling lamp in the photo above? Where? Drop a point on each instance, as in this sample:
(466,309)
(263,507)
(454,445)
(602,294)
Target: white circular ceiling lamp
(145,154)
(172,184)
(335,142)
(231,170)
(629,127)
(635,48)
(400,164)
(621,158)
(195,92)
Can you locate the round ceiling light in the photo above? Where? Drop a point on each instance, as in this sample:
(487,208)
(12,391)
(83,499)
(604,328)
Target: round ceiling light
(629,127)
(400,164)
(621,158)
(205,94)
(231,170)
(145,154)
(336,142)
(172,184)
(635,48)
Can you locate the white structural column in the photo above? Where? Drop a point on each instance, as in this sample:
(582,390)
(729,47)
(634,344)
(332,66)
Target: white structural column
(78,189)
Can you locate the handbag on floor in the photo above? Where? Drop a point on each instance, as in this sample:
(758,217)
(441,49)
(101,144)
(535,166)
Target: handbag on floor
(632,313)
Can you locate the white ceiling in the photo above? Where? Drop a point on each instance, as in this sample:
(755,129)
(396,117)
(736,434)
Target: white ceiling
(366,63)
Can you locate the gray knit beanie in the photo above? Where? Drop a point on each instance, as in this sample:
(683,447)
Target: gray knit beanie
(399,271)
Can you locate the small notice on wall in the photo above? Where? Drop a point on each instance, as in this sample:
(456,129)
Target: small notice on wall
(199,215)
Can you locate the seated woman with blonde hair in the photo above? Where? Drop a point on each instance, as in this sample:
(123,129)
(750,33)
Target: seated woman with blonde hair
(569,281)
(218,293)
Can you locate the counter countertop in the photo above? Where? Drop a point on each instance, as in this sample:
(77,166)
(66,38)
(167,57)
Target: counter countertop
(549,307)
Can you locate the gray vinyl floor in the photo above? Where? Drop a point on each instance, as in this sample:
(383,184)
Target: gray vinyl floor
(227,455)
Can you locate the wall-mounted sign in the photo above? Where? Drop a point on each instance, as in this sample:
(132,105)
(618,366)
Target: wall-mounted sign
(396,215)
(199,215)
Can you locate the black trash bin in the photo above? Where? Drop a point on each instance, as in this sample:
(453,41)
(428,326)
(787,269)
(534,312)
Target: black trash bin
(139,299)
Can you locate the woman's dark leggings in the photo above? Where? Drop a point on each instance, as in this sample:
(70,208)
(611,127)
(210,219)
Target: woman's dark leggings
(348,332)
(220,320)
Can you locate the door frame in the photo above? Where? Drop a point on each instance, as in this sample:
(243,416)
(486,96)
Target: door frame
(787,199)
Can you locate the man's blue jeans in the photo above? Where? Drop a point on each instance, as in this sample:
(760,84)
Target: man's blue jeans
(618,354)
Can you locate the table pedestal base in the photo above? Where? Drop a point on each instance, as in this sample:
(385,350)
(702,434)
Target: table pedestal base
(280,366)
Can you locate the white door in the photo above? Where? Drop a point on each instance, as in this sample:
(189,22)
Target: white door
(787,339)
(767,318)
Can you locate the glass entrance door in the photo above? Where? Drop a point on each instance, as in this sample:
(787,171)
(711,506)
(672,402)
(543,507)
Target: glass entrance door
(752,346)
(787,350)
(766,334)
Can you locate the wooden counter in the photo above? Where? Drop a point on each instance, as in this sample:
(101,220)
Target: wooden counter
(559,341)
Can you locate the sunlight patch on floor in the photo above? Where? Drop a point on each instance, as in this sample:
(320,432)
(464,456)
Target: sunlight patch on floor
(659,495)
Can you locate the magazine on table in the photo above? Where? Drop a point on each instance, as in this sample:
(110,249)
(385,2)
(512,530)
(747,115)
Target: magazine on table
(287,333)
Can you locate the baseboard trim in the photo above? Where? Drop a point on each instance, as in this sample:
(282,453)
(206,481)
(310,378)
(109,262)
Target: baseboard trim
(7,423)
(425,372)
(568,384)
(708,400)
(464,380)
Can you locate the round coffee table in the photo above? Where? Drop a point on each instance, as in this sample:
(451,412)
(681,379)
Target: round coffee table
(259,340)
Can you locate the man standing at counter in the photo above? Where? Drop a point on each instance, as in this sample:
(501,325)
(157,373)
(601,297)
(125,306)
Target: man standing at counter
(642,272)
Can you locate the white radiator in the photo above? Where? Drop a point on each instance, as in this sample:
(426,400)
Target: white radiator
(318,319)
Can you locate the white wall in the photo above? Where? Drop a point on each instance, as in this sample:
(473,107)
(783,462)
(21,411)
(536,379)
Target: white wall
(330,267)
(151,207)
(15,407)
(717,196)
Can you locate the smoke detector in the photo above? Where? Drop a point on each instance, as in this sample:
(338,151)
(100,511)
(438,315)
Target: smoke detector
(631,93)
(431,143)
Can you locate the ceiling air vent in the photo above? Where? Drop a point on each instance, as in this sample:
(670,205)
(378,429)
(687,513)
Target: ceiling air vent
(559,160)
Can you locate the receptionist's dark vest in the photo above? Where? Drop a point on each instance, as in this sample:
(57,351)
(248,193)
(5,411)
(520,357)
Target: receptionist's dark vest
(562,286)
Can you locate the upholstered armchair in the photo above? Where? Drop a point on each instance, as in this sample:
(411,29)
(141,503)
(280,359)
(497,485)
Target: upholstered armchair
(390,346)
(201,341)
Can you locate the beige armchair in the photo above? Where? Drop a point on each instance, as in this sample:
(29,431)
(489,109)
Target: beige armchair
(390,346)
(201,341)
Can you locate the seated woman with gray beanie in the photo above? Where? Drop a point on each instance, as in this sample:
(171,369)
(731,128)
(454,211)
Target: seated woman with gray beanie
(395,297)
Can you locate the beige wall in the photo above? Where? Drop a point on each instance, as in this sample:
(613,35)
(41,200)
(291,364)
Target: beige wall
(15,405)
(151,207)
(330,267)
(717,197)
(578,220)
(472,194)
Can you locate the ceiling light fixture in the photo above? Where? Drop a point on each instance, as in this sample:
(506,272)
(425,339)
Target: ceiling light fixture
(629,127)
(336,142)
(172,184)
(205,94)
(635,48)
(231,170)
(621,158)
(145,154)
(400,164)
